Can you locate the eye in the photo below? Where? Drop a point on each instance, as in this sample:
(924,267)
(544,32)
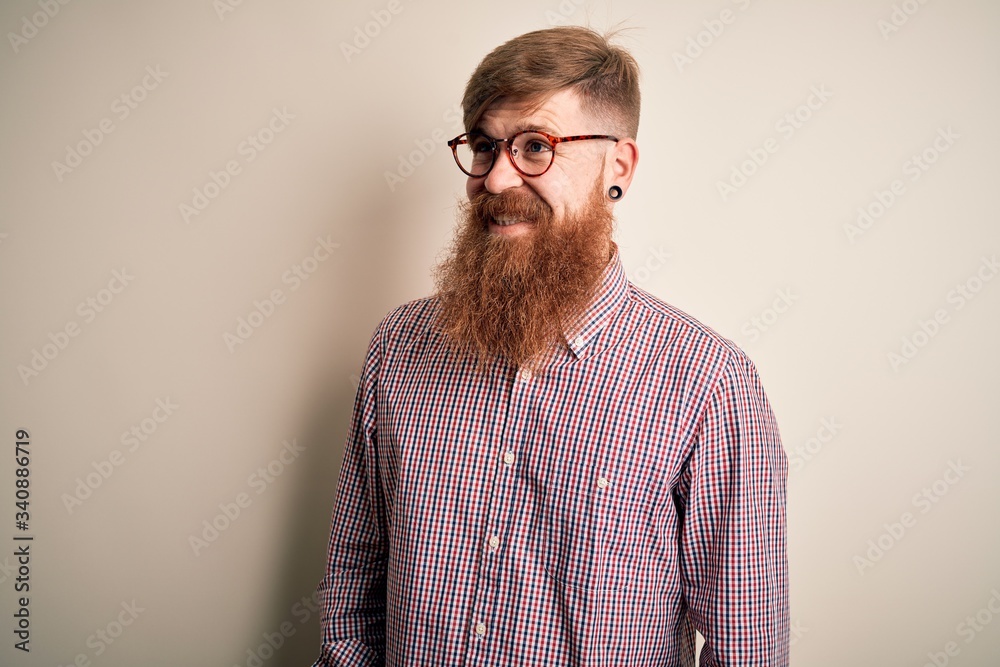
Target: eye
(535,145)
(480,145)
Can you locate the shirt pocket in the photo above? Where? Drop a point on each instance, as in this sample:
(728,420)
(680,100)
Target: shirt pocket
(594,534)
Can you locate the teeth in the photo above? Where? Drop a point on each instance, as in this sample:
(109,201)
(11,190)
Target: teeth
(505,221)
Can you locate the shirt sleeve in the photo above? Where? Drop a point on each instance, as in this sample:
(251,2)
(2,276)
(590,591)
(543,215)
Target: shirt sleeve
(353,590)
(733,544)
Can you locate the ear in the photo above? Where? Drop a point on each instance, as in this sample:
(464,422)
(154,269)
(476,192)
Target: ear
(620,167)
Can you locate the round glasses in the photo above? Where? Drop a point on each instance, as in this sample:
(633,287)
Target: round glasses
(530,151)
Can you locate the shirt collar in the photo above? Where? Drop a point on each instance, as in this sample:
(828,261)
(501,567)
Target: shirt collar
(610,297)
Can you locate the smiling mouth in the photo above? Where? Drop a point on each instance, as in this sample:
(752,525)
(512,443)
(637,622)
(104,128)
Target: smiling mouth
(506,221)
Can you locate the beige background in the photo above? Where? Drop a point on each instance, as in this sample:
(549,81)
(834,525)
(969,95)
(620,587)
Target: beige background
(864,435)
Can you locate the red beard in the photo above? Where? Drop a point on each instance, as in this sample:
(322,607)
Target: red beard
(513,296)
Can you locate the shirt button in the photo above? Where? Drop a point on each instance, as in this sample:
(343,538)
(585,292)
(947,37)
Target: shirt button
(525,374)
(508,457)
(494,542)
(602,483)
(578,341)
(480,629)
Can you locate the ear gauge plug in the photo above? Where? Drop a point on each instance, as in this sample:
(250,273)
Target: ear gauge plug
(615,193)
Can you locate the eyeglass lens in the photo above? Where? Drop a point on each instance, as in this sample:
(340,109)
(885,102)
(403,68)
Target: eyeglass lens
(532,153)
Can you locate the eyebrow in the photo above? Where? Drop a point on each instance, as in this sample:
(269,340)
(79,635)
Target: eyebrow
(520,126)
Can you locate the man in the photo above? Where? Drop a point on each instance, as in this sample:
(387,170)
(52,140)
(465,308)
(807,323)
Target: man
(547,465)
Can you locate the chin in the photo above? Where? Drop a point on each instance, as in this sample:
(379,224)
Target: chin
(517,229)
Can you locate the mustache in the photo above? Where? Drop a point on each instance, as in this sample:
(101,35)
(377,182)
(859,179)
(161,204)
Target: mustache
(509,204)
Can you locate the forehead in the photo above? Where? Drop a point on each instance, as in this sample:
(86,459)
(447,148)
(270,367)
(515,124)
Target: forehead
(560,112)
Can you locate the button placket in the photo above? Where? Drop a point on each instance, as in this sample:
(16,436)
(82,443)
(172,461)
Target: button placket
(498,511)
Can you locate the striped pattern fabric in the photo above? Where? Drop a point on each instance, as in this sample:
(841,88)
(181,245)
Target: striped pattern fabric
(594,510)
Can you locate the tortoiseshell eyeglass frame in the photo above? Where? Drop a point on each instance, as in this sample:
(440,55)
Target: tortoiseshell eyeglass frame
(464,139)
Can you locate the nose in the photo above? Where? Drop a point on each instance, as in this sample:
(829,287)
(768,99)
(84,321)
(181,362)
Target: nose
(503,175)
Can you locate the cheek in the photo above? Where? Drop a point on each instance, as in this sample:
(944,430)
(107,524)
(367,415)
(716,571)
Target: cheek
(553,190)
(474,186)
(554,194)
